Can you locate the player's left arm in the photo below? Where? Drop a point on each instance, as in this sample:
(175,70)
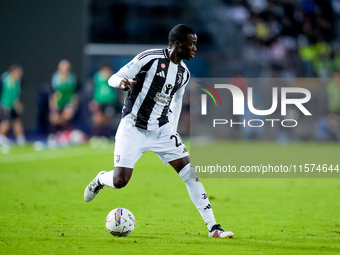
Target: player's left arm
(176,103)
(74,101)
(18,106)
(176,107)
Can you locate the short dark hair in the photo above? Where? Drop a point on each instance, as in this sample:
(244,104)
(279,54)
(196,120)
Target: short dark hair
(105,64)
(13,66)
(180,33)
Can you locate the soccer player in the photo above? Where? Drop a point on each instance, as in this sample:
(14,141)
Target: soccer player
(156,81)
(63,102)
(102,106)
(10,105)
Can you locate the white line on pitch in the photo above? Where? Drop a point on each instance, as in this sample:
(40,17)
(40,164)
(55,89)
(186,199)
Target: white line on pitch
(54,154)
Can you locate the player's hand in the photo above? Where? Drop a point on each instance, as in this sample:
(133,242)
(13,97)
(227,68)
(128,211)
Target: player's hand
(126,84)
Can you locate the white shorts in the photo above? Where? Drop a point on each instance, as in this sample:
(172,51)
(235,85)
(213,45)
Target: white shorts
(132,142)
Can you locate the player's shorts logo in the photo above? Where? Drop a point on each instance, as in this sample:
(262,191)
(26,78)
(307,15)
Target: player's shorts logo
(117,158)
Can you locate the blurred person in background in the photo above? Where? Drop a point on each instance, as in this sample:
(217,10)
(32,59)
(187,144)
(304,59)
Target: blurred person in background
(333,93)
(103,105)
(63,101)
(328,128)
(10,105)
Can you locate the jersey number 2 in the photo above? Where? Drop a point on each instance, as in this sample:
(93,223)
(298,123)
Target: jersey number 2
(177,140)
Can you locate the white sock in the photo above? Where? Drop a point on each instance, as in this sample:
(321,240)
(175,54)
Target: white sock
(198,195)
(107,179)
(3,140)
(21,140)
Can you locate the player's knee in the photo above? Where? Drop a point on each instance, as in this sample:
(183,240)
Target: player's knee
(120,182)
(188,172)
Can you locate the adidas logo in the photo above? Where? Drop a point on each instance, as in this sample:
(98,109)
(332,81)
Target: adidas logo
(207,207)
(161,74)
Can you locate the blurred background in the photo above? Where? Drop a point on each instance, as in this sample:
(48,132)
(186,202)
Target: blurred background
(236,38)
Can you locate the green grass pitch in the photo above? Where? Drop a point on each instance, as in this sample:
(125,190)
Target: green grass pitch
(43,210)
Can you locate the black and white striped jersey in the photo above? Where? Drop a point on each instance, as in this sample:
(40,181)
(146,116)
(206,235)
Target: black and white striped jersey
(160,85)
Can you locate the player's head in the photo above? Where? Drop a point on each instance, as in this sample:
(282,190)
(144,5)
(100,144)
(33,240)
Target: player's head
(184,39)
(15,71)
(64,66)
(106,69)
(180,33)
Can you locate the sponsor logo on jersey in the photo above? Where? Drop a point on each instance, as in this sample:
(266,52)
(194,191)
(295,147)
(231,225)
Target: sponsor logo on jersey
(163,99)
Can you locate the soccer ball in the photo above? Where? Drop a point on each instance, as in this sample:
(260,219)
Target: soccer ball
(120,222)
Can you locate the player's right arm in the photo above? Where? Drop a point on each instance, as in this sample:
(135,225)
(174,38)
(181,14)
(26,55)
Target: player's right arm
(124,77)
